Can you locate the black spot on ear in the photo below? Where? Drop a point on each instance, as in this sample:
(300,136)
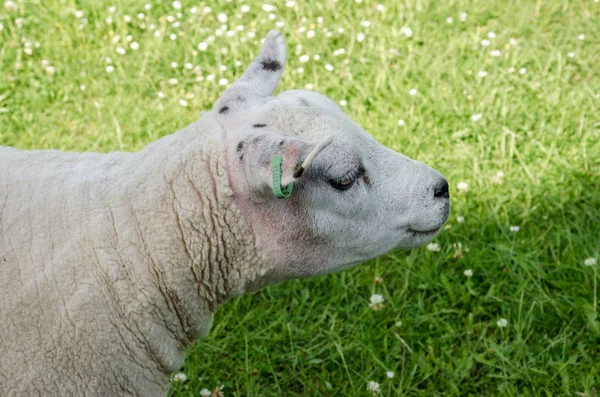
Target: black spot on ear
(259,125)
(303,101)
(224,109)
(298,171)
(271,64)
(240,147)
(281,143)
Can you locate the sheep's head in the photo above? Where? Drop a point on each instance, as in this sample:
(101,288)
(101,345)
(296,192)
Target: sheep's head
(353,201)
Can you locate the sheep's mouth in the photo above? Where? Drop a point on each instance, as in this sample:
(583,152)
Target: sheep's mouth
(424,232)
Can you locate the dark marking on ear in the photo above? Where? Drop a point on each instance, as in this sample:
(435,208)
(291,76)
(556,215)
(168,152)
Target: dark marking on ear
(281,143)
(366,179)
(224,109)
(240,147)
(298,171)
(271,64)
(303,101)
(259,125)
(240,98)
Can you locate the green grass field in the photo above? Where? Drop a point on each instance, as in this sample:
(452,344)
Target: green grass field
(506,88)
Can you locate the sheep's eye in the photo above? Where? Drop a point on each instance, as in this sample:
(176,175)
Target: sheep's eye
(348,181)
(342,184)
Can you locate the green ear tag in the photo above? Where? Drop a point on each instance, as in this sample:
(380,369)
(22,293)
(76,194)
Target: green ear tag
(279,191)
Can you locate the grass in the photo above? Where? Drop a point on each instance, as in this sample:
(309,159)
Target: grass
(438,328)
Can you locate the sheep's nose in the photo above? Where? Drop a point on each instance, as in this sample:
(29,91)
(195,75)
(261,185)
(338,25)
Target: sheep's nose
(441,190)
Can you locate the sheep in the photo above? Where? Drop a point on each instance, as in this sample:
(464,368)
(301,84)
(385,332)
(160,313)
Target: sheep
(111,265)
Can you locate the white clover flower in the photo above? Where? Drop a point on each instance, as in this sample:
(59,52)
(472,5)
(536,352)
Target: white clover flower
(310,34)
(222,17)
(230,33)
(485,42)
(269,7)
(343,102)
(134,45)
(309,86)
(112,9)
(177,5)
(174,65)
(433,247)
(462,186)
(205,393)
(19,22)
(389,374)
(304,58)
(380,8)
(589,261)
(571,54)
(1,27)
(161,95)
(320,20)
(290,4)
(203,46)
(406,31)
(173,81)
(79,14)
(28,50)
(110,69)
(127,18)
(581,37)
(502,323)
(223,82)
(188,65)
(329,67)
(82,87)
(373,387)
(173,36)
(460,219)
(398,324)
(482,73)
(476,117)
(522,71)
(468,273)
(511,70)
(514,229)
(141,15)
(413,92)
(365,24)
(491,35)
(10,6)
(376,302)
(301,29)
(51,70)
(401,123)
(280,24)
(316,57)
(300,70)
(210,77)
(180,376)
(360,36)
(157,33)
(147,6)
(206,9)
(449,20)
(183,103)
(251,35)
(462,16)
(239,28)
(496,53)
(340,30)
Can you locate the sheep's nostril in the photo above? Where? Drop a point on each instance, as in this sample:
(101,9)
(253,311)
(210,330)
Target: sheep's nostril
(441,190)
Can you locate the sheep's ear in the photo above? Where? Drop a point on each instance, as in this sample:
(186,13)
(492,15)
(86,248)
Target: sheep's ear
(260,79)
(256,153)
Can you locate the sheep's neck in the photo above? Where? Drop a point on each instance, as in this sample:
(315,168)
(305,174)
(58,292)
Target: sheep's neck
(198,251)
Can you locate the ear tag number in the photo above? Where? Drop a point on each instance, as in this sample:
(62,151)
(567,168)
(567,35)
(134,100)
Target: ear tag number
(279,191)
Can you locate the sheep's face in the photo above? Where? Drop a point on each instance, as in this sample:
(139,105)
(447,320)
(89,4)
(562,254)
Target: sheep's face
(356,200)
